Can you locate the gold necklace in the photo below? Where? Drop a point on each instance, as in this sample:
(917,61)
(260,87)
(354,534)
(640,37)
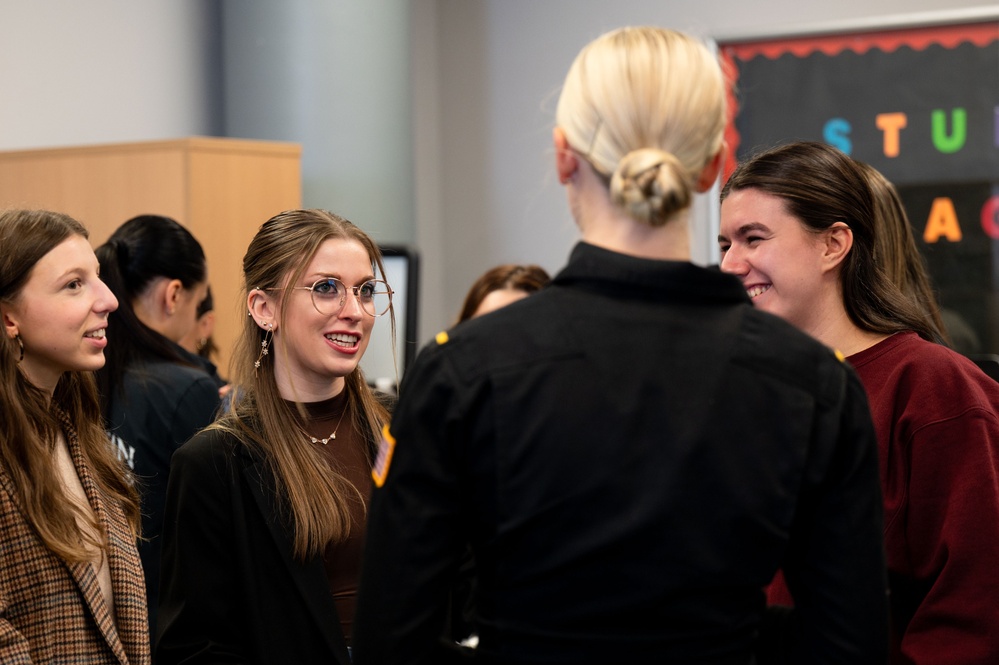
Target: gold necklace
(333,435)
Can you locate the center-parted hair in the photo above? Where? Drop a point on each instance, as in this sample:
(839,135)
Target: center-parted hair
(820,186)
(316,496)
(646,107)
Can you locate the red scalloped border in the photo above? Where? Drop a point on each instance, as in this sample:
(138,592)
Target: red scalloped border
(949,36)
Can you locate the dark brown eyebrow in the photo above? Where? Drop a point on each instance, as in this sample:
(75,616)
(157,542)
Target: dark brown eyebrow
(746,229)
(319,276)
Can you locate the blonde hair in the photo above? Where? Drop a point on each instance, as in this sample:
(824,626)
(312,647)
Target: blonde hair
(316,496)
(646,107)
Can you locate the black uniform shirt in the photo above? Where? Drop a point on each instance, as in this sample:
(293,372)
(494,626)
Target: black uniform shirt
(632,453)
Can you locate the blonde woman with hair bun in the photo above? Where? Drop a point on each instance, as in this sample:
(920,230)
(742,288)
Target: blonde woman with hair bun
(632,452)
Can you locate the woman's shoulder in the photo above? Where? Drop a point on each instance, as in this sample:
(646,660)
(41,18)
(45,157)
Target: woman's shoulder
(165,376)
(913,366)
(211,444)
(773,346)
(920,357)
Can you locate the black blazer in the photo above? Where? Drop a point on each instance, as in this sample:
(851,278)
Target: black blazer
(232,591)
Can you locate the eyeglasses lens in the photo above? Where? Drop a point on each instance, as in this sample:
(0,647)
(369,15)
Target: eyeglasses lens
(329,296)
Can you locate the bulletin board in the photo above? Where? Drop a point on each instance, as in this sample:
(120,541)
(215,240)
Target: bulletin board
(918,102)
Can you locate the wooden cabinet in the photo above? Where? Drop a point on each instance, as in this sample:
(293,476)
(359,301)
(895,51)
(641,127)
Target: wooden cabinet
(221,189)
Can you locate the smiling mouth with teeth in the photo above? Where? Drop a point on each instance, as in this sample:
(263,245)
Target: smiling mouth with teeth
(757,290)
(343,339)
(97,334)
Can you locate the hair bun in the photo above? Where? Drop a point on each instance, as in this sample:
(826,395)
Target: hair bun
(651,186)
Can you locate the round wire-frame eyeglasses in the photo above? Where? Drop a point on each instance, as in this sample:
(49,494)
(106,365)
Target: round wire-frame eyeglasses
(329,295)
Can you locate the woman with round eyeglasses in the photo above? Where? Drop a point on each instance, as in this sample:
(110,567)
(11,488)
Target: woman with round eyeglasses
(266,508)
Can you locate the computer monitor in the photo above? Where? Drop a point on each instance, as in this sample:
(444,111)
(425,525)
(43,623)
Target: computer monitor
(381,368)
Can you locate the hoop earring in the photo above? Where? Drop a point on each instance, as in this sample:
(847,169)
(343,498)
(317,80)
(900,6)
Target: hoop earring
(263,347)
(20,344)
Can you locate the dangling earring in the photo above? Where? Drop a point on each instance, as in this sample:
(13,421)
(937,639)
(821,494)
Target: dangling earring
(20,344)
(263,347)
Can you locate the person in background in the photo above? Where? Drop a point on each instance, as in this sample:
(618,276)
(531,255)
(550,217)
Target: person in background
(154,394)
(266,508)
(199,340)
(500,286)
(802,229)
(71,588)
(632,451)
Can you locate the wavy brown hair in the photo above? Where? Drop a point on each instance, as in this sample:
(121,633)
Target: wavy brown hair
(529,279)
(820,186)
(316,497)
(31,423)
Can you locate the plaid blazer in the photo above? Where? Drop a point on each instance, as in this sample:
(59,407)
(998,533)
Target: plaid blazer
(54,612)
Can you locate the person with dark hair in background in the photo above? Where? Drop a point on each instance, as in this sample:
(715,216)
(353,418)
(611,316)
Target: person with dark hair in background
(634,450)
(199,340)
(154,394)
(71,587)
(500,286)
(803,230)
(266,508)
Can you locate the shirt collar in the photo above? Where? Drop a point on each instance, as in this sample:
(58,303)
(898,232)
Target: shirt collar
(595,267)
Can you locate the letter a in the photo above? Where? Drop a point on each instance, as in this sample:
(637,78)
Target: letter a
(942,222)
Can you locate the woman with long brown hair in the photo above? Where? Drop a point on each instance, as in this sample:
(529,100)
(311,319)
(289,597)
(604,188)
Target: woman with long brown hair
(804,230)
(71,586)
(266,508)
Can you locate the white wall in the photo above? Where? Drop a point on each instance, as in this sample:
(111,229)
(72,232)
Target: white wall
(106,71)
(500,63)
(332,75)
(470,180)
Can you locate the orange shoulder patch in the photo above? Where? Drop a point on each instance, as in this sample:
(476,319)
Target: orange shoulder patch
(384,458)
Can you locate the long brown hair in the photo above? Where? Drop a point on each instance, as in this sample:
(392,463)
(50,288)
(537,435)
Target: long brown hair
(30,423)
(316,496)
(820,186)
(895,249)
